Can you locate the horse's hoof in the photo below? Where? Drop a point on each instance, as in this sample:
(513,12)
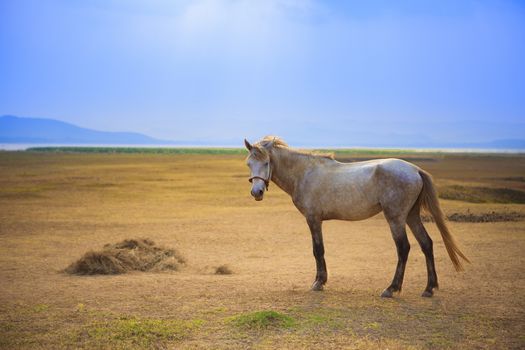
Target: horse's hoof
(387,293)
(427,294)
(317,286)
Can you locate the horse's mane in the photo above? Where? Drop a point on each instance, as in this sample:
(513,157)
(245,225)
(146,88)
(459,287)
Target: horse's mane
(277,142)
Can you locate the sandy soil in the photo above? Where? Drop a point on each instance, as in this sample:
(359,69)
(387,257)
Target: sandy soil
(55,207)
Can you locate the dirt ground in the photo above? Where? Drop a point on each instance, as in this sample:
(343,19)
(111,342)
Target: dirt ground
(56,207)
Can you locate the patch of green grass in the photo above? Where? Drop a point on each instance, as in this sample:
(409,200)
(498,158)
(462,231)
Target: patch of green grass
(322,321)
(4,327)
(439,340)
(41,308)
(482,194)
(262,320)
(320,318)
(96,185)
(339,152)
(81,307)
(149,150)
(373,325)
(23,190)
(217,310)
(136,332)
(24,174)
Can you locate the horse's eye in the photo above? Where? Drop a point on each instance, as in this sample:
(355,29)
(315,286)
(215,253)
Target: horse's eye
(266,164)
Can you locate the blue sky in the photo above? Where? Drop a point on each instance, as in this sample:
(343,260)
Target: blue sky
(313,72)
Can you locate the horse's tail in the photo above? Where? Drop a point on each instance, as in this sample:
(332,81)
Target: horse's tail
(429,202)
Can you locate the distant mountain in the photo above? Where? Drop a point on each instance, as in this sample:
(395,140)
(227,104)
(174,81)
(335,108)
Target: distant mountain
(49,131)
(16,130)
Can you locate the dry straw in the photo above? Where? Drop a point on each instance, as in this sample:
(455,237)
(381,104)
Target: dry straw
(128,255)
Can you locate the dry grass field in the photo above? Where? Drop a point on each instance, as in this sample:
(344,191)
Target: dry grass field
(54,207)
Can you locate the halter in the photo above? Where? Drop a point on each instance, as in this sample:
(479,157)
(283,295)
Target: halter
(266,181)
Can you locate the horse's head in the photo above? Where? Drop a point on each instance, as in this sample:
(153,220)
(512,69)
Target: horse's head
(260,168)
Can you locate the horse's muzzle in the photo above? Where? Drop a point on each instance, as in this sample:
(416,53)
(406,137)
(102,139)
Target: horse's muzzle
(257,194)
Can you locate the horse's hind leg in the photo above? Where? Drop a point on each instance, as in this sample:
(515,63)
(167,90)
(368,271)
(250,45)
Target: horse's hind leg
(403,247)
(424,240)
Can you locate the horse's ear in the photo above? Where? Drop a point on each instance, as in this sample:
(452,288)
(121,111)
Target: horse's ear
(247,144)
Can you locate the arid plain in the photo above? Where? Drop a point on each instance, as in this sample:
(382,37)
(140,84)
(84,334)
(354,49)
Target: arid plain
(54,207)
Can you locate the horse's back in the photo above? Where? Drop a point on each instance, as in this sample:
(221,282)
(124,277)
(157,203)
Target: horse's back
(388,170)
(384,178)
(356,191)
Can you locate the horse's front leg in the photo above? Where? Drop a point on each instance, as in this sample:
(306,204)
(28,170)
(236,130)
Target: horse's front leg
(318,247)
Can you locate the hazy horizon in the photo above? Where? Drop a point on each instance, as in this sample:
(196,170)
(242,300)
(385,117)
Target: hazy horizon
(313,72)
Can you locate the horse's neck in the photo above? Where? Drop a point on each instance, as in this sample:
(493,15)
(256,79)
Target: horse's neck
(288,168)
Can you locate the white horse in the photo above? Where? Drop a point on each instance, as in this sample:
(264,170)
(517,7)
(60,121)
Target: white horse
(323,189)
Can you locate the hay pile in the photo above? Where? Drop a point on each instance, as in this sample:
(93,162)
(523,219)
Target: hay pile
(481,217)
(128,255)
(486,217)
(223,270)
